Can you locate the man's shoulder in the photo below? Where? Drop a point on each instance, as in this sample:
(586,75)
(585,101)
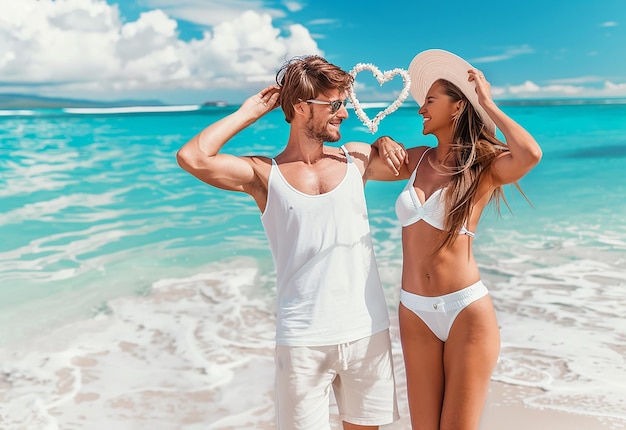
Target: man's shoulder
(258,160)
(260,164)
(359,150)
(357,146)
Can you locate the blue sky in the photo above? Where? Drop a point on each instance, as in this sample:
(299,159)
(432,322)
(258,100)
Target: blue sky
(191,51)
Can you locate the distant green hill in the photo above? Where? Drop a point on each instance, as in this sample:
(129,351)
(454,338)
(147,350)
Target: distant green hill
(26,101)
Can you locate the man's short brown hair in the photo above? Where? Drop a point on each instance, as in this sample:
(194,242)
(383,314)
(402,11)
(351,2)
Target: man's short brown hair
(304,78)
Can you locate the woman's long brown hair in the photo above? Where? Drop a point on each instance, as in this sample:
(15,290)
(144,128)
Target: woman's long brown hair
(473,150)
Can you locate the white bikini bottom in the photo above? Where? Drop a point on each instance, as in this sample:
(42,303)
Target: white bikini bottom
(439,313)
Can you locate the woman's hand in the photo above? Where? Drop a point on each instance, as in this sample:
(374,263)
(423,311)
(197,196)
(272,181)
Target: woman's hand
(483,87)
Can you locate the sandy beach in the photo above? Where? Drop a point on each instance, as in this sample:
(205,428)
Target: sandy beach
(156,363)
(505,408)
(506,411)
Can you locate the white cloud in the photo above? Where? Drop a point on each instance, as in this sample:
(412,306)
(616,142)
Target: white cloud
(577,80)
(533,91)
(497,92)
(508,53)
(84,45)
(526,87)
(293,6)
(212,12)
(42,40)
(230,57)
(617,89)
(323,21)
(609,24)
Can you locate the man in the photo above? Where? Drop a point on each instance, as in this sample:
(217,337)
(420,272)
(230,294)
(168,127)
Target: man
(332,320)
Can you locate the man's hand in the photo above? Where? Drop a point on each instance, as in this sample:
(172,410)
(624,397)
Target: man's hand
(262,102)
(392,153)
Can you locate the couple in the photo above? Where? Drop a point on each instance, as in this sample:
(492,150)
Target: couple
(332,319)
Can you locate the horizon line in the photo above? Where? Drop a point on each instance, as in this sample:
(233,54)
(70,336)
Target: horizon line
(152,108)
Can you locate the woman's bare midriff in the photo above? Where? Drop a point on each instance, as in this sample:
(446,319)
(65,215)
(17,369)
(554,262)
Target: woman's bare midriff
(431,274)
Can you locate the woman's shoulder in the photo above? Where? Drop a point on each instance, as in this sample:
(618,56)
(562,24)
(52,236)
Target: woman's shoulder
(418,149)
(415,154)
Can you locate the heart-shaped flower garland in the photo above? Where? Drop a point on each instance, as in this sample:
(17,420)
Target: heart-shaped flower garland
(372,124)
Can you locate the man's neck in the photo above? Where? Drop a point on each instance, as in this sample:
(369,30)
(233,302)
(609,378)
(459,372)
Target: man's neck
(304,149)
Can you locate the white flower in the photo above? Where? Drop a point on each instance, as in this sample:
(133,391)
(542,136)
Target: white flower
(372,124)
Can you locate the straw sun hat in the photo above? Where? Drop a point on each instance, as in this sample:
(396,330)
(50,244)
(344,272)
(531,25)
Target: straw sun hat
(434,64)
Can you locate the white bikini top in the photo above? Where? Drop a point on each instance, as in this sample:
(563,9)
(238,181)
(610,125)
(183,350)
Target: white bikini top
(409,208)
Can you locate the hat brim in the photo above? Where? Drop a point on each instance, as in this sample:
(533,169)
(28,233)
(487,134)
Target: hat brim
(434,64)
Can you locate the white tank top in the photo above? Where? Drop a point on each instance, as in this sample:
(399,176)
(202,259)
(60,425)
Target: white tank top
(327,283)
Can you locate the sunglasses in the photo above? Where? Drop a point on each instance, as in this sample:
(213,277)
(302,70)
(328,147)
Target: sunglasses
(335,105)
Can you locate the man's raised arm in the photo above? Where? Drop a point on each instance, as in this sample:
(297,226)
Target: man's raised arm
(200,156)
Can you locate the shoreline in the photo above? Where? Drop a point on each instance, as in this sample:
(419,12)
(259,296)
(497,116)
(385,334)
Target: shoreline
(505,410)
(166,356)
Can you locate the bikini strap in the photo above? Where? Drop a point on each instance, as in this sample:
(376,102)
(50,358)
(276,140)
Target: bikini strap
(423,153)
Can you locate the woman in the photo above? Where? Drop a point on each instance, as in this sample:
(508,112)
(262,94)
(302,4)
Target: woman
(450,336)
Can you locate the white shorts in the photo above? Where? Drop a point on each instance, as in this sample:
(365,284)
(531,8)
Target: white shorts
(359,372)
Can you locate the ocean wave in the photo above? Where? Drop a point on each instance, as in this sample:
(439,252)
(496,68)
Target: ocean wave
(372,105)
(561,102)
(198,350)
(18,112)
(131,109)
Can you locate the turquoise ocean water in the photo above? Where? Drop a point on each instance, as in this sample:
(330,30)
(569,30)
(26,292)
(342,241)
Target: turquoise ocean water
(132,295)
